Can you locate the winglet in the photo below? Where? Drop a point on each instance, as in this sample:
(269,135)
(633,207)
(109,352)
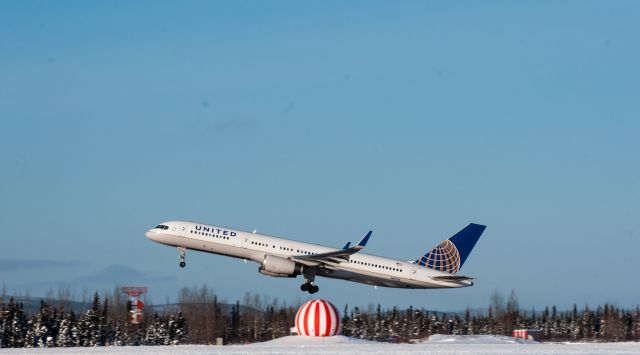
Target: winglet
(332,258)
(362,243)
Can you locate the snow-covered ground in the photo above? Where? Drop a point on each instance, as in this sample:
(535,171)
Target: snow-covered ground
(342,345)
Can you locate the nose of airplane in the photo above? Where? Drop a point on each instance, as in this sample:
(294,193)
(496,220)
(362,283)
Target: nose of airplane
(150,234)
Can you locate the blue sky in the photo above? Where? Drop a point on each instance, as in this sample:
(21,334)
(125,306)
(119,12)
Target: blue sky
(319,121)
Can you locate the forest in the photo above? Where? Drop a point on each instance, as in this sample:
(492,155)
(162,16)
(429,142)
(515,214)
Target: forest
(200,318)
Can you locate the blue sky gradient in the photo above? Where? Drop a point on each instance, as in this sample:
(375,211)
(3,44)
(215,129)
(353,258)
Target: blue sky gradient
(319,121)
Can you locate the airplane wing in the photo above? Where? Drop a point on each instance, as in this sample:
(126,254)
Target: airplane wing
(332,258)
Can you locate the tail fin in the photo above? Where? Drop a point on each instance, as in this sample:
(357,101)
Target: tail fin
(451,254)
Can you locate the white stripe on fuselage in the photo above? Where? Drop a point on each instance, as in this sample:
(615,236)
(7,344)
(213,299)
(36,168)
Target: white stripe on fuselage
(361,267)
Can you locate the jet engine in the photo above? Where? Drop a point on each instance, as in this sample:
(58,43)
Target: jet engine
(279,267)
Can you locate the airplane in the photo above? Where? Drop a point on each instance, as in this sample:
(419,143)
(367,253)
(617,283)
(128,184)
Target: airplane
(279,257)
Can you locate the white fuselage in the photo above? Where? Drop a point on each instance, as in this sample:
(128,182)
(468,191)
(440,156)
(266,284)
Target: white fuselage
(360,267)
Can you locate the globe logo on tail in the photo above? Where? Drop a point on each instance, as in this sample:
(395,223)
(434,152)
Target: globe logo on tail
(445,257)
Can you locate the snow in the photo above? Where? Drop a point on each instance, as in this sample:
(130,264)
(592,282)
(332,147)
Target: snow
(437,344)
(474,339)
(314,341)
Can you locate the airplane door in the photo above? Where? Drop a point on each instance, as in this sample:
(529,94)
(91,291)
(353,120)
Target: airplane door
(413,272)
(179,230)
(245,240)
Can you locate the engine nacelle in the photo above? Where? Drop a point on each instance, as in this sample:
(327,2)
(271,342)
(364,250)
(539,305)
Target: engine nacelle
(279,267)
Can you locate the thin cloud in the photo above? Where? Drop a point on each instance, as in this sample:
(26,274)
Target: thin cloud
(120,274)
(35,264)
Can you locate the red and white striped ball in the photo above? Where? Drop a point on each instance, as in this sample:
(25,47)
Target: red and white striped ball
(521,333)
(317,318)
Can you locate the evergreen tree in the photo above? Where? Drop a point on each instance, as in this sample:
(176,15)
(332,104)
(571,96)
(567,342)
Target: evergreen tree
(18,327)
(65,337)
(161,334)
(345,328)
(89,325)
(6,323)
(266,331)
(30,338)
(380,327)
(151,335)
(95,323)
(119,338)
(416,328)
(104,336)
(44,327)
(358,324)
(177,331)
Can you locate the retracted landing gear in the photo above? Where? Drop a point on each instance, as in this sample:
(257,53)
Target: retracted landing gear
(181,251)
(309,278)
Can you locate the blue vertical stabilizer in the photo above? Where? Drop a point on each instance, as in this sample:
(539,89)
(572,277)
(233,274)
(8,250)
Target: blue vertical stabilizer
(451,254)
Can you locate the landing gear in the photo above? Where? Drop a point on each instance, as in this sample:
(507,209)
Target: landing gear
(308,285)
(181,251)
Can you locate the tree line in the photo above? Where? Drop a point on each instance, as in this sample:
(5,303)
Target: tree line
(605,323)
(200,318)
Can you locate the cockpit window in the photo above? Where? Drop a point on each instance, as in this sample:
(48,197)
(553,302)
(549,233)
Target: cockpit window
(162,226)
